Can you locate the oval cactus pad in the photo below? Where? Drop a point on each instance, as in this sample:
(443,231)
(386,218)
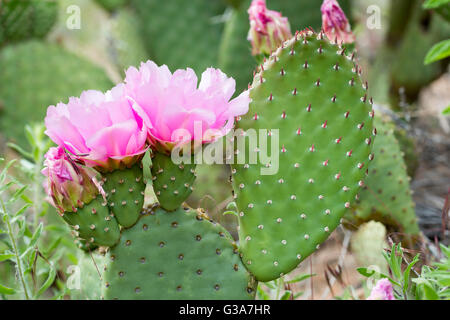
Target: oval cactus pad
(176,255)
(309,97)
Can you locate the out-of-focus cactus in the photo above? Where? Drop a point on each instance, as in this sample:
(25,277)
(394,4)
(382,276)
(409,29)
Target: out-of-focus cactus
(368,244)
(126,47)
(408,147)
(112,5)
(25,19)
(235,57)
(408,72)
(35,75)
(386,196)
(311,91)
(181,33)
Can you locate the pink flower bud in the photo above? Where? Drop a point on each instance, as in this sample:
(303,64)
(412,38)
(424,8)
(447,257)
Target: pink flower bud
(68,185)
(268,28)
(177,109)
(382,291)
(101,130)
(335,23)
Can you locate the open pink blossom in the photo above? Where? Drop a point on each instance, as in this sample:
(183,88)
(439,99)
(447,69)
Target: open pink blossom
(268,28)
(382,291)
(68,185)
(335,23)
(170,103)
(100,129)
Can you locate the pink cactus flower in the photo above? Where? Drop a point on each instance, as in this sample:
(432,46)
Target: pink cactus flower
(335,23)
(100,129)
(172,104)
(382,291)
(268,28)
(68,185)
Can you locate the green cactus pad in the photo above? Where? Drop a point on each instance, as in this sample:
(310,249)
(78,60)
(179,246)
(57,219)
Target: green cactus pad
(408,71)
(173,183)
(235,57)
(386,196)
(181,33)
(176,255)
(112,5)
(312,93)
(21,20)
(90,272)
(125,194)
(127,48)
(35,75)
(94,223)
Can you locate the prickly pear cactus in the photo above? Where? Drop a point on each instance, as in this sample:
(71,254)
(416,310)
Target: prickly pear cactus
(126,48)
(35,75)
(368,244)
(408,71)
(89,265)
(172,183)
(311,92)
(386,196)
(235,57)
(125,194)
(112,5)
(181,33)
(408,147)
(21,20)
(94,223)
(176,255)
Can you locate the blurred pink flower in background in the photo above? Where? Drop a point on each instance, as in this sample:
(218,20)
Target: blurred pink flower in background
(268,28)
(335,23)
(382,291)
(68,185)
(100,129)
(171,102)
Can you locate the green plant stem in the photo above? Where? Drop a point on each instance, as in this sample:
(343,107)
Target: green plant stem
(37,189)
(16,252)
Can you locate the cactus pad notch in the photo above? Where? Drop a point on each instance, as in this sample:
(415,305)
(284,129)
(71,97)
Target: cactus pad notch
(312,92)
(182,254)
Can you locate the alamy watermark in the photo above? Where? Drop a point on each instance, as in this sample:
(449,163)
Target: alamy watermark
(249,147)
